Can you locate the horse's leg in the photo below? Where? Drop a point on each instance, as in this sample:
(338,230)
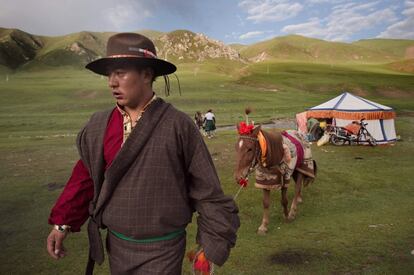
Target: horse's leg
(265,221)
(284,201)
(298,189)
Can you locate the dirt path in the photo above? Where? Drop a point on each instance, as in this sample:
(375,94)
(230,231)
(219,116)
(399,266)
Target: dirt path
(279,123)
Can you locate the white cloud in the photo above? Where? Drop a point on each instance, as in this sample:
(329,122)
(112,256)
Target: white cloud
(353,7)
(270,10)
(63,16)
(317,1)
(122,15)
(324,1)
(249,35)
(345,21)
(404,28)
(60,17)
(311,28)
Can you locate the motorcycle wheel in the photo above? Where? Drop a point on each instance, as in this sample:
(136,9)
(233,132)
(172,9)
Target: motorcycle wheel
(335,140)
(371,140)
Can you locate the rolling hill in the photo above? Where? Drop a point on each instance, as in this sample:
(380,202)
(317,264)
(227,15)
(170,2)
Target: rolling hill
(406,66)
(18,47)
(183,45)
(404,49)
(21,50)
(304,49)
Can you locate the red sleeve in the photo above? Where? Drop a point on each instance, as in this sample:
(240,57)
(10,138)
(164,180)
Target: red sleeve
(72,206)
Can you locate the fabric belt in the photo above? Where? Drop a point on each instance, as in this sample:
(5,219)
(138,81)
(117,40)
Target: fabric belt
(165,237)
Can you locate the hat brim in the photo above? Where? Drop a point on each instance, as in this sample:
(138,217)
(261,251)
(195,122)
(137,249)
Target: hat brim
(101,66)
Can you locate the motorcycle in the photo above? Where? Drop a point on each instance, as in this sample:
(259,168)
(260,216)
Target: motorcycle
(358,135)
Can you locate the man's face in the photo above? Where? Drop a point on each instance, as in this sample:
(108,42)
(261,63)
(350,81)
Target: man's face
(129,85)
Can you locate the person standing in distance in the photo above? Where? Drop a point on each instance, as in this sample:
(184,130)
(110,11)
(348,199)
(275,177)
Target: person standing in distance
(210,123)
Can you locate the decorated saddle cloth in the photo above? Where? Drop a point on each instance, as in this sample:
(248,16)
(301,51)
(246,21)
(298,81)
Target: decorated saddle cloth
(297,155)
(301,155)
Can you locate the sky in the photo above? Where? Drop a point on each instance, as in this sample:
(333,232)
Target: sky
(230,21)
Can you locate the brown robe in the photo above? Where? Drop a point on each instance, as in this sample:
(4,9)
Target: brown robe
(161,175)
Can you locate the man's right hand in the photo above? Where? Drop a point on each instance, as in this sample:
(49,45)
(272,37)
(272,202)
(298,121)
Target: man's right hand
(55,246)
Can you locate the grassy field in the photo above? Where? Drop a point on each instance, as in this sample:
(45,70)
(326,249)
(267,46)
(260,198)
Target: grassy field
(356,218)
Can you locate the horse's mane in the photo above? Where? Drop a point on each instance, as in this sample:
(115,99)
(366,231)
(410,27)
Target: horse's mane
(274,154)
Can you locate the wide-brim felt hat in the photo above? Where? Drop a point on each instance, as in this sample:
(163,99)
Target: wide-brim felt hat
(130,48)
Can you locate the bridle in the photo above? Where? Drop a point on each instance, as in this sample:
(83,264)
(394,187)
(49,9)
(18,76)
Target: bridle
(256,160)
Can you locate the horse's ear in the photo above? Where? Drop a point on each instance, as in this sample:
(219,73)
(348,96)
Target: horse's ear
(256,130)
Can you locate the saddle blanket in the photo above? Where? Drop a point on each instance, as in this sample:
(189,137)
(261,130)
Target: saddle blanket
(297,156)
(301,154)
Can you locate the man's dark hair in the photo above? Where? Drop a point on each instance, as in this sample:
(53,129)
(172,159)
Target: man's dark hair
(141,68)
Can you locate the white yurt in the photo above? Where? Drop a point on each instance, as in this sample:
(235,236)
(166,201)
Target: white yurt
(347,107)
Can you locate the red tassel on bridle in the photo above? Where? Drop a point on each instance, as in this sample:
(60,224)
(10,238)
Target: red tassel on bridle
(245,129)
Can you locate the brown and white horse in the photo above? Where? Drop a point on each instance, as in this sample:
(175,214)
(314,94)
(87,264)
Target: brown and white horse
(274,158)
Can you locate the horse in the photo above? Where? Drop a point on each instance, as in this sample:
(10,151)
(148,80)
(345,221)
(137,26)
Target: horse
(275,157)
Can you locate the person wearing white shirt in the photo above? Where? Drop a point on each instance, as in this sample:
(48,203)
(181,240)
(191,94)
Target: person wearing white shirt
(210,123)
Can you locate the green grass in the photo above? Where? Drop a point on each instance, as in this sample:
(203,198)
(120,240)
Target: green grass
(356,218)
(319,82)
(305,49)
(396,47)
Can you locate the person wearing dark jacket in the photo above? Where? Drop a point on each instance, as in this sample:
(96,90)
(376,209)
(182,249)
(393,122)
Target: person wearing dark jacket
(143,170)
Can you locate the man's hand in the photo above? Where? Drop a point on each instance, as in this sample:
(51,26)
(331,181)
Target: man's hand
(201,265)
(55,246)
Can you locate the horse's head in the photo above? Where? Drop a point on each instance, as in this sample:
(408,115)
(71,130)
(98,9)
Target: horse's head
(247,152)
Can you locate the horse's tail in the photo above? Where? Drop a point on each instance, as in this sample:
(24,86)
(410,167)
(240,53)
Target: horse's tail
(308,180)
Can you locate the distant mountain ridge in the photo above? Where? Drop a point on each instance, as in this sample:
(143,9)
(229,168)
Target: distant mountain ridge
(188,46)
(19,49)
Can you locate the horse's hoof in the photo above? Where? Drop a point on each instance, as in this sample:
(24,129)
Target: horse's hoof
(299,200)
(291,217)
(262,231)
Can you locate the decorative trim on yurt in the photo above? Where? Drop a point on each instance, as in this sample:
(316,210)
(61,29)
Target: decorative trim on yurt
(352,115)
